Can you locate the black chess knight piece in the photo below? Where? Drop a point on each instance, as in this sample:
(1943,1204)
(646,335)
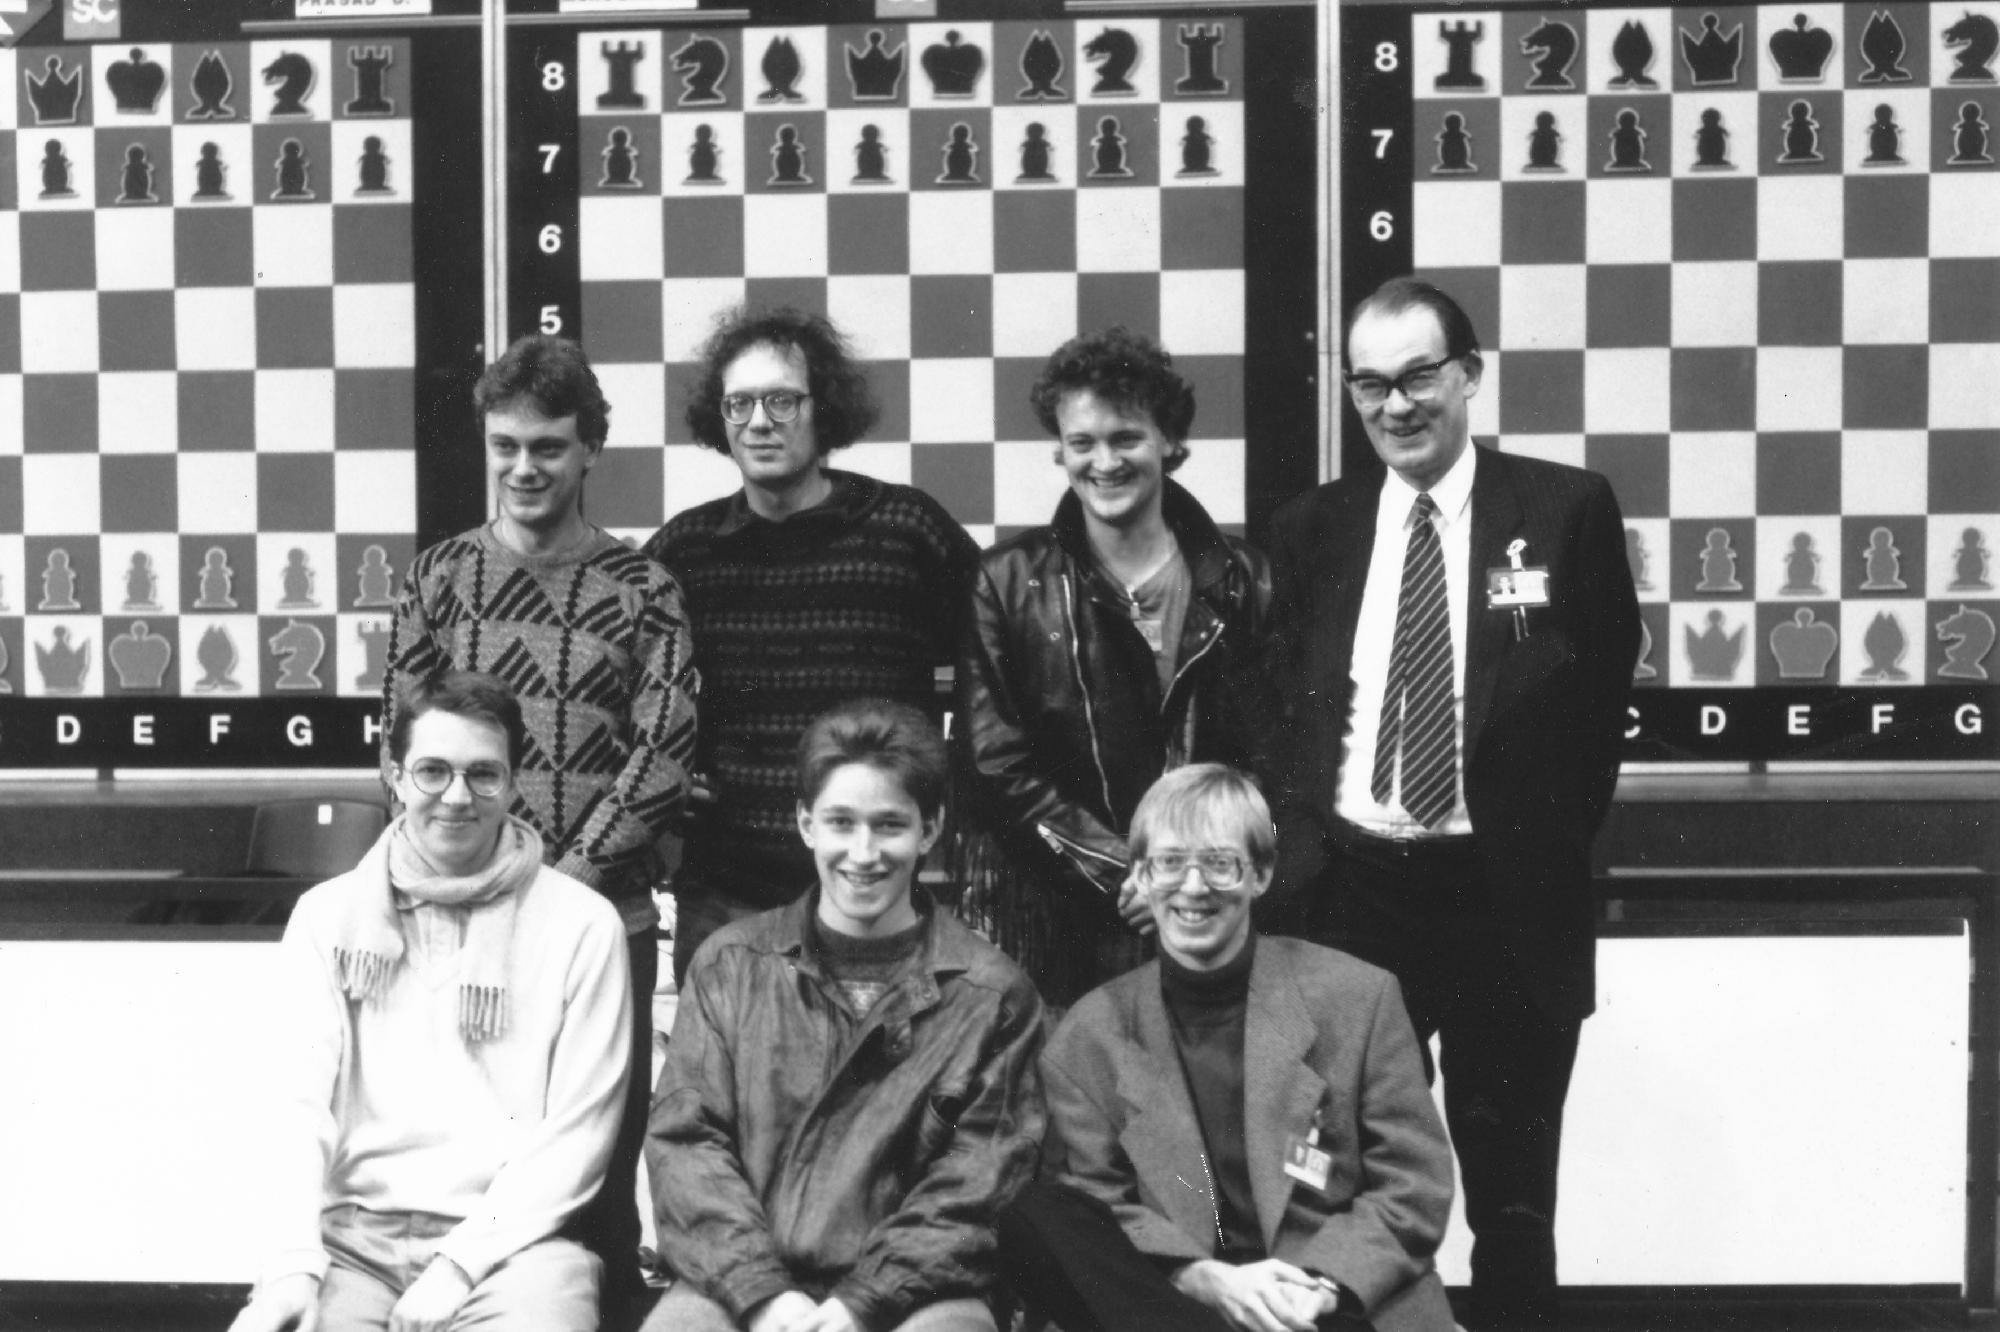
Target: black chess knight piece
(1801,134)
(1801,51)
(1969,138)
(876,74)
(210,175)
(1041,69)
(1885,139)
(140,657)
(1975,38)
(211,83)
(621,161)
(1714,653)
(782,69)
(54,96)
(1454,147)
(1035,154)
(871,158)
(136,83)
(135,182)
(56,171)
(292,75)
(953,66)
(961,157)
(1544,144)
(294,172)
(1637,560)
(1197,149)
(1628,144)
(1968,634)
(1718,563)
(216,655)
(621,60)
(1803,645)
(375,580)
(704,157)
(58,583)
(1108,151)
(371,80)
(1711,143)
(1115,52)
(702,63)
(1882,46)
(1200,47)
(1632,52)
(1885,643)
(215,582)
(1883,563)
(1970,563)
(1458,64)
(1558,44)
(299,647)
(1802,568)
(788,159)
(1712,59)
(374,168)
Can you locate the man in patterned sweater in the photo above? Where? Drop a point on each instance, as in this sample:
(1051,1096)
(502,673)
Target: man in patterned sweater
(593,639)
(807,587)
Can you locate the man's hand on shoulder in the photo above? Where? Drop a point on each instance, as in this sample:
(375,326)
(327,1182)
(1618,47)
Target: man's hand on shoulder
(432,1300)
(289,1304)
(1267,1296)
(793,1311)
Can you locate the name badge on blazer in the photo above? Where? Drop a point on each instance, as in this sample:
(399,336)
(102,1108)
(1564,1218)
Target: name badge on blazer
(1517,586)
(1305,1162)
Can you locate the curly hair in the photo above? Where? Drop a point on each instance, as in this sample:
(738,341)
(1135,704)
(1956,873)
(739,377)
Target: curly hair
(1125,368)
(892,737)
(843,408)
(554,375)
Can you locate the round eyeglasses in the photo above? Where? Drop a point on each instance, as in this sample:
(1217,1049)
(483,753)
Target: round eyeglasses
(781,405)
(433,777)
(1419,383)
(1222,871)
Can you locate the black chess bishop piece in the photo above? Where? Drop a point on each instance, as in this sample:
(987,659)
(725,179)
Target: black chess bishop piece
(210,175)
(621,161)
(1970,138)
(1974,39)
(1882,46)
(1801,136)
(1115,52)
(871,158)
(1801,51)
(621,60)
(1197,149)
(1454,147)
(1712,59)
(291,74)
(961,157)
(136,83)
(782,69)
(1885,643)
(54,96)
(371,66)
(788,159)
(1885,139)
(1459,42)
(876,73)
(374,168)
(1632,52)
(1628,144)
(211,83)
(1108,151)
(704,157)
(702,63)
(953,66)
(1036,154)
(1711,143)
(1558,44)
(56,171)
(1041,69)
(294,169)
(216,655)
(1200,49)
(135,182)
(1545,144)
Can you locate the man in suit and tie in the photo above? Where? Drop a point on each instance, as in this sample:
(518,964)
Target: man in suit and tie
(1455,640)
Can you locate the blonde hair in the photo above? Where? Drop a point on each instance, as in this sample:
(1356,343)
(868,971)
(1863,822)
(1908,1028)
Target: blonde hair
(1206,795)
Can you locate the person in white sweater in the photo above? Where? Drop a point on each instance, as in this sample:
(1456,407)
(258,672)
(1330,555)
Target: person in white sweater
(455,1054)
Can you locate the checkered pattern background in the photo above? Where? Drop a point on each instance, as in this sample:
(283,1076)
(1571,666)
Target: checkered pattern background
(954,293)
(182,376)
(1783,353)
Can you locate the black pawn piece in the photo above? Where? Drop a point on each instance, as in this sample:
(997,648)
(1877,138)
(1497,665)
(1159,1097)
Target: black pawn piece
(55,171)
(1545,143)
(788,159)
(1454,147)
(1197,149)
(1801,567)
(1801,135)
(703,158)
(1035,154)
(1711,143)
(374,168)
(209,174)
(1108,150)
(136,182)
(621,161)
(961,157)
(871,158)
(1969,138)
(1885,139)
(294,172)
(1970,563)
(1628,144)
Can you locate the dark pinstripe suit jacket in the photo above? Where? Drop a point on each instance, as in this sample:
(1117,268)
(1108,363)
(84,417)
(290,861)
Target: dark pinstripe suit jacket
(1543,715)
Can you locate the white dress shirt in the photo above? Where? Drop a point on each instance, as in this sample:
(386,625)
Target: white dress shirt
(1374,637)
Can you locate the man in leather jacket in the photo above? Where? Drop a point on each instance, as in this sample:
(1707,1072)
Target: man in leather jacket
(1095,658)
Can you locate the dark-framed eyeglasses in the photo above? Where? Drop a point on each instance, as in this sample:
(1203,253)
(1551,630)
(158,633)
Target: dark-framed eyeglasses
(781,405)
(1419,383)
(433,777)
(1222,871)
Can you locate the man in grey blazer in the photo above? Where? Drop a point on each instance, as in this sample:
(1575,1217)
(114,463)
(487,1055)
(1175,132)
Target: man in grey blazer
(1241,1130)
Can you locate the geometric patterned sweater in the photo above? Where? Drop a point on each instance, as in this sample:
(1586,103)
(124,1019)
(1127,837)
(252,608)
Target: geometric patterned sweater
(594,642)
(857,597)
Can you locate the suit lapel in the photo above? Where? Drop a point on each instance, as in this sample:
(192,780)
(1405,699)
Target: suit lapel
(1281,1090)
(1350,547)
(1163,1137)
(1496,520)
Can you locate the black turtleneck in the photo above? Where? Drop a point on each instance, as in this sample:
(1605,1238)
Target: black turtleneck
(1206,1009)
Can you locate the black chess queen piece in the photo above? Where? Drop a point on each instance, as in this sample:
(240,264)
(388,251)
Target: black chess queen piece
(1201,49)
(1197,149)
(1632,51)
(211,83)
(1114,51)
(1557,43)
(135,182)
(1801,136)
(136,83)
(1711,143)
(1882,46)
(1801,51)
(875,74)
(1108,151)
(1713,58)
(1459,41)
(1714,653)
(1544,144)
(953,66)
(373,167)
(1628,145)
(782,69)
(621,61)
(54,96)
(1454,147)
(704,158)
(1973,39)
(1041,69)
(1970,138)
(291,74)
(1885,139)
(1037,155)
(702,63)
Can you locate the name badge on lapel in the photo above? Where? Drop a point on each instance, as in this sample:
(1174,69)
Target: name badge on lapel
(1517,586)
(1305,1162)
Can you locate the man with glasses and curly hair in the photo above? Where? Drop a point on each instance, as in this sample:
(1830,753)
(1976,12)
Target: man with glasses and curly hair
(807,587)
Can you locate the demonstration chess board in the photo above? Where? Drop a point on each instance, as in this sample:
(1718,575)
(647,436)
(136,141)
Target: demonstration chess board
(207,453)
(1745,261)
(959,197)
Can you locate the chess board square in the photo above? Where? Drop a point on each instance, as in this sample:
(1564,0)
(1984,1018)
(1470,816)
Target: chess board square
(931,138)
(1883,554)
(951,401)
(1911,21)
(1797,644)
(1799,304)
(135,168)
(10,511)
(61,574)
(621,156)
(1734,114)
(215,328)
(1799,556)
(1959,639)
(1544,393)
(885,460)
(73,167)
(696,475)
(1799,388)
(1883,471)
(1962,209)
(274,95)
(1715,218)
(1636,467)
(1608,123)
(59,413)
(294,327)
(1800,217)
(1565,449)
(786,293)
(297,653)
(951,232)
(1712,305)
(622,73)
(1478,293)
(138,412)
(1711,474)
(1627,390)
(375,491)
(1463,67)
(10,340)
(1961,547)
(128,668)
(1035,233)
(1217,382)
(1802,132)
(1884,301)
(1964,471)
(1604,30)
(1798,473)
(1457,139)
(688,311)
(868,233)
(60,490)
(213,248)
(621,320)
(1541,308)
(765,139)
(1027,482)
(1214,473)
(58,251)
(219,656)
(138,492)
(1630,305)
(218,494)
(949,315)
(373,244)
(1885,216)
(294,411)
(59,332)
(375,409)
(1202,313)
(890,382)
(1709,644)
(67,636)
(958,476)
(673,169)
(1628,221)
(1131,299)
(217,411)
(1964,300)
(135,249)
(1459,223)
(370,568)
(1908,135)
(1093,61)
(355,143)
(294,492)
(218,571)
(9,179)
(1201,229)
(10,251)
(1882,641)
(624,488)
(638,397)
(203,150)
(682,381)
(1039,131)
(1033,313)
(374,325)
(1886,388)
(784,235)
(294,246)
(1646,545)
(1117,148)
(622,240)
(1541,222)
(1713,558)
(887,131)
(1962,378)
(1014,418)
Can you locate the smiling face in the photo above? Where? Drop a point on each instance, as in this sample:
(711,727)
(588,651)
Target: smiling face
(867,837)
(537,464)
(1200,927)
(455,829)
(772,455)
(1116,458)
(1421,440)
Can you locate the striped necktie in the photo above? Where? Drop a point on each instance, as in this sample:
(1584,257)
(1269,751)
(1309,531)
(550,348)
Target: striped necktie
(1417,706)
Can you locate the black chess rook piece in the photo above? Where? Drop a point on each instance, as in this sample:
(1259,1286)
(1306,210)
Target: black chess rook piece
(211,83)
(1114,51)
(1974,39)
(1711,143)
(135,182)
(1197,149)
(1454,147)
(1882,46)
(291,74)
(782,69)
(1557,42)
(702,63)
(371,66)
(953,66)
(1885,139)
(1969,138)
(621,61)
(788,158)
(1545,144)
(374,168)
(704,157)
(1801,136)
(1628,144)
(210,175)
(871,158)
(621,161)
(961,157)
(1035,154)
(1200,47)
(1801,51)
(54,96)
(136,83)
(1108,151)
(1041,69)
(876,73)
(294,172)
(1632,52)
(1458,64)
(56,171)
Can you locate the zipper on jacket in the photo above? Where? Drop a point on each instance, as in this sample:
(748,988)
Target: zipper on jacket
(1083,690)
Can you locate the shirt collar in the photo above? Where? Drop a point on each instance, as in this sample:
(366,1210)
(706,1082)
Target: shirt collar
(1452,494)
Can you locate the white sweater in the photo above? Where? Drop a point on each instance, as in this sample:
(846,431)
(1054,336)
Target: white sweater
(384,1105)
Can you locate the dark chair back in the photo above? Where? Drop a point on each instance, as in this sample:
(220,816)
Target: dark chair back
(312,839)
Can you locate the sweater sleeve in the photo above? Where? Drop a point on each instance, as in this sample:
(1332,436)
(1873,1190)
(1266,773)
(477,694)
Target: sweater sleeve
(559,1162)
(313,1044)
